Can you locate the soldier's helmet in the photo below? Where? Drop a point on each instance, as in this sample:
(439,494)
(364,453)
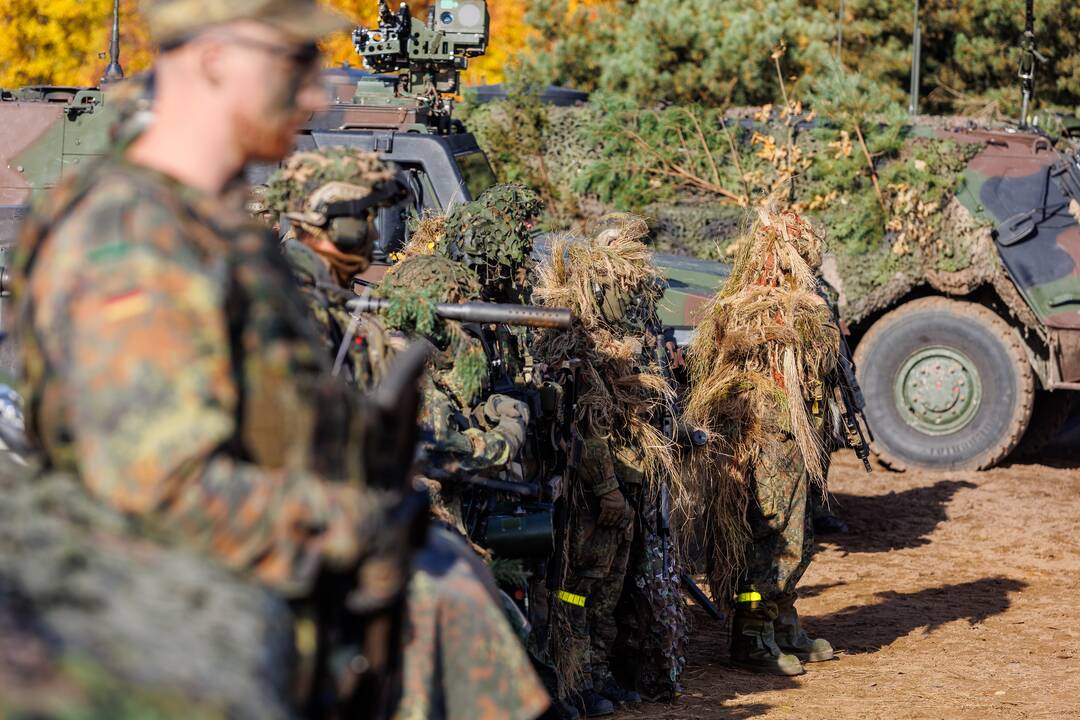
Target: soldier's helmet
(491,235)
(626,285)
(334,194)
(413,286)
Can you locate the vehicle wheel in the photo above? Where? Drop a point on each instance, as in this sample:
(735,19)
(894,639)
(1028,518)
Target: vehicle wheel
(947,384)
(1051,411)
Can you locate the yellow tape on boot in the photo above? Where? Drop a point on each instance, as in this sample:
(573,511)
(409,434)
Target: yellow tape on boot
(572,599)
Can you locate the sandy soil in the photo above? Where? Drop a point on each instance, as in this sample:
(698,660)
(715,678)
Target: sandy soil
(954,596)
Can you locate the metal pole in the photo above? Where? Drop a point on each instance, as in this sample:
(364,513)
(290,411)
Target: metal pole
(114,73)
(916,62)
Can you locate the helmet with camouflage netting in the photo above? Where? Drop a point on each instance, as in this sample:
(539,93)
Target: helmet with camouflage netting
(333,193)
(492,237)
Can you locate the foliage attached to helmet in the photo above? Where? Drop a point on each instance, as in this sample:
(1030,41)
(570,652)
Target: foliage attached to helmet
(609,280)
(413,287)
(307,186)
(491,236)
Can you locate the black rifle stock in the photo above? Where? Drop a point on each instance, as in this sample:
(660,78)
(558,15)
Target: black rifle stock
(851,400)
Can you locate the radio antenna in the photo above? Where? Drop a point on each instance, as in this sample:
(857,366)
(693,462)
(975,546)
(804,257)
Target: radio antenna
(114,73)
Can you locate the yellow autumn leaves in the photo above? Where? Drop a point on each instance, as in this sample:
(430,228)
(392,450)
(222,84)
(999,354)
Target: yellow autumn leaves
(65,42)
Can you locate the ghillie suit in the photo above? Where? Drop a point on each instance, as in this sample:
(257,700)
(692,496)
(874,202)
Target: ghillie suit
(465,437)
(413,287)
(325,253)
(99,621)
(612,287)
(757,366)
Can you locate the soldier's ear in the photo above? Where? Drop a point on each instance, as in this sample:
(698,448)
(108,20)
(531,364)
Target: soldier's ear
(211,62)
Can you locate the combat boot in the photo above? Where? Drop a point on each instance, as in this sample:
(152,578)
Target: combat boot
(560,710)
(619,695)
(592,704)
(791,638)
(753,646)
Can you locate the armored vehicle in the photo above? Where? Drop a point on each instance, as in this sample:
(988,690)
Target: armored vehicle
(962,367)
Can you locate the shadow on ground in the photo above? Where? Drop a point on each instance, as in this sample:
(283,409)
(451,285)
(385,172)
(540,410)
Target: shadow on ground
(894,521)
(868,628)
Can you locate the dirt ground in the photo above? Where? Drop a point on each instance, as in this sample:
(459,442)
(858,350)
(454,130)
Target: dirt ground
(954,596)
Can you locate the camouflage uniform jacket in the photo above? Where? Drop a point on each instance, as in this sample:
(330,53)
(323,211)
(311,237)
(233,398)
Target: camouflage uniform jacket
(475,448)
(364,359)
(170,366)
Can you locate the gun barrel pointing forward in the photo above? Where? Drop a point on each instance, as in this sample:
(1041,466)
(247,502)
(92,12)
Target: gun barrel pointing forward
(484,313)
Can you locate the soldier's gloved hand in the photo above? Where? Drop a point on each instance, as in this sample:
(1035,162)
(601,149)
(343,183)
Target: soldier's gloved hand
(614,510)
(499,407)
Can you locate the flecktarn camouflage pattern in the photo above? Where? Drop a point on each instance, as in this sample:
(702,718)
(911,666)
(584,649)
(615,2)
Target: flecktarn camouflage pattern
(460,657)
(612,286)
(125,282)
(97,620)
(757,365)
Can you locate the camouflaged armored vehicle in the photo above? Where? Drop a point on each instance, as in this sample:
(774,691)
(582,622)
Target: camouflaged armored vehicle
(965,316)
(963,365)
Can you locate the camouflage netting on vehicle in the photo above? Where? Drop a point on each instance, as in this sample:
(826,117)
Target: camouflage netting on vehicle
(759,353)
(97,622)
(881,188)
(413,287)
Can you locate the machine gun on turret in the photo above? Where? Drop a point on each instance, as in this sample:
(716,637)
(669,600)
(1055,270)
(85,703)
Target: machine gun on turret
(428,58)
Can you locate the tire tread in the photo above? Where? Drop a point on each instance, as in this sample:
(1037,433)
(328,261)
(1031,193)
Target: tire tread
(1000,329)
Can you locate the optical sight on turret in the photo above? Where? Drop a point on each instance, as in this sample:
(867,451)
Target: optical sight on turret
(427,58)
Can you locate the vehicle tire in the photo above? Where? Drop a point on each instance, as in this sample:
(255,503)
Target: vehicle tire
(948,386)
(1051,411)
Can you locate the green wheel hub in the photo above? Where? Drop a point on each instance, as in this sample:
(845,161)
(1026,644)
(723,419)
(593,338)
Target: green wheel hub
(938,391)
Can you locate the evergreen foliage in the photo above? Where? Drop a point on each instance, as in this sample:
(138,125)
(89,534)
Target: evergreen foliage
(715,52)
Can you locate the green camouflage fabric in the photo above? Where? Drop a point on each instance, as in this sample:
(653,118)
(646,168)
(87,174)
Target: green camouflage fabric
(171,367)
(781,524)
(456,622)
(491,237)
(461,659)
(479,440)
(598,558)
(653,627)
(364,358)
(97,622)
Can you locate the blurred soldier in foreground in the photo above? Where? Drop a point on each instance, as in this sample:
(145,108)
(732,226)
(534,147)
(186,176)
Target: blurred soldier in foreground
(461,657)
(170,365)
(760,363)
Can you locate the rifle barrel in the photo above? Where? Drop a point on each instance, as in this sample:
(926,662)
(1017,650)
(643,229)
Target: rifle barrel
(484,313)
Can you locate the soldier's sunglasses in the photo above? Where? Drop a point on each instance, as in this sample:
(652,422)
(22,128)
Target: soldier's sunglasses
(303,56)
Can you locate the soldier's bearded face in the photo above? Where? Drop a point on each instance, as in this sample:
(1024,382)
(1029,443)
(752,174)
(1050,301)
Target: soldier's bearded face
(280,90)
